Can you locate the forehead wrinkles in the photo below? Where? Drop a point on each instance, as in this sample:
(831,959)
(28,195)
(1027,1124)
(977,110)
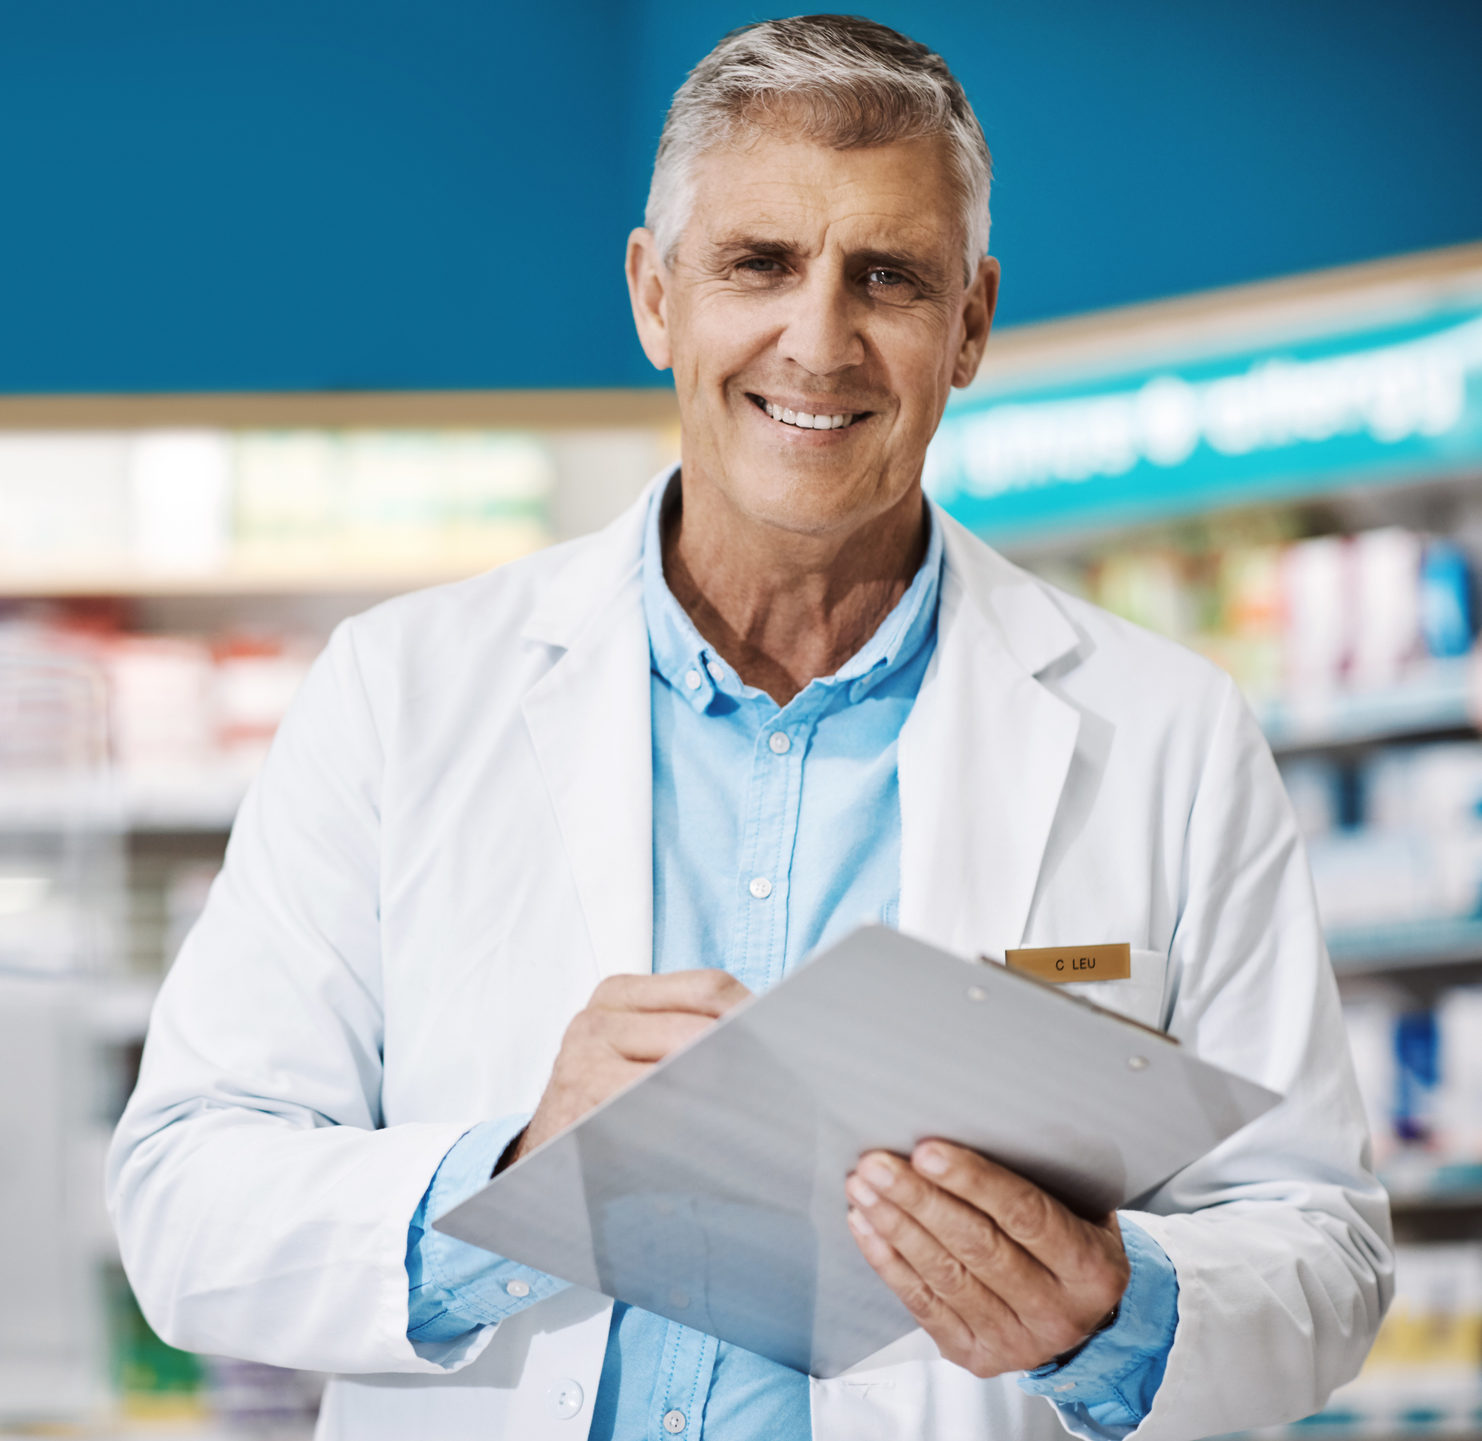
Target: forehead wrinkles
(801,192)
(863,221)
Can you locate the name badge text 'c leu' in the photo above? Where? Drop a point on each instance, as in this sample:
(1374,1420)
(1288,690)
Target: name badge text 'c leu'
(1073,963)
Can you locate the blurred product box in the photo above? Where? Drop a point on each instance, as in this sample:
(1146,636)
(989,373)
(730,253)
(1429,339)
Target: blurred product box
(63,500)
(1371,1037)
(1425,787)
(1314,786)
(1379,877)
(1419,1069)
(162,694)
(1429,1349)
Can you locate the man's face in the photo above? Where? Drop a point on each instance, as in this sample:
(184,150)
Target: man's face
(822,283)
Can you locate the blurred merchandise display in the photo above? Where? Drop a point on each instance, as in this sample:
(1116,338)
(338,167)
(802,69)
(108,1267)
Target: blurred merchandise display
(156,1383)
(1425,1371)
(1299,622)
(1394,835)
(180,707)
(1420,1068)
(250,506)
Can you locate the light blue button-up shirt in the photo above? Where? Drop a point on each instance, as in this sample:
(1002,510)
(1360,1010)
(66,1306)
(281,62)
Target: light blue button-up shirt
(776,830)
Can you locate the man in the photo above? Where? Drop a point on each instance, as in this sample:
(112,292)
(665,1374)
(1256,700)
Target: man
(523,836)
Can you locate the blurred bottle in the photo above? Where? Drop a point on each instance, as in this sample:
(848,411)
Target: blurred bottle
(1447,616)
(1417,1076)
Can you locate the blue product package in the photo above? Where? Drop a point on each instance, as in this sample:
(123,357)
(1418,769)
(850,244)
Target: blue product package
(1447,620)
(1417,1074)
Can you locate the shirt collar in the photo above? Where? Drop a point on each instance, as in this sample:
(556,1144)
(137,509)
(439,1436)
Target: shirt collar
(691,666)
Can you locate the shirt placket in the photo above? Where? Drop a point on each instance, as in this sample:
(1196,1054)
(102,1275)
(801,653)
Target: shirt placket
(683,1383)
(773,800)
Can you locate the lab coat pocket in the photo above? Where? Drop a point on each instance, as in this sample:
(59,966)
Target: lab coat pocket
(1139,997)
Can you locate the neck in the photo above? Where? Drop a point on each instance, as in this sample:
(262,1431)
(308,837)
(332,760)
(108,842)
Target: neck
(783,608)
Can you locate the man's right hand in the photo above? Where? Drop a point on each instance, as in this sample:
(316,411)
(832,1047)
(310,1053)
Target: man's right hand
(630,1023)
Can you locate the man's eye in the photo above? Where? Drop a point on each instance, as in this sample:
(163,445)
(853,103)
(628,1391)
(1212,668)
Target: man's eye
(760,265)
(883,277)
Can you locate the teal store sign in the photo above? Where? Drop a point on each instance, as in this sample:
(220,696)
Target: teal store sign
(1391,403)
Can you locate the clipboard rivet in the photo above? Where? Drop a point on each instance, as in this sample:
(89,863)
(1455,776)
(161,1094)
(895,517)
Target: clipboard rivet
(976,993)
(1137,1063)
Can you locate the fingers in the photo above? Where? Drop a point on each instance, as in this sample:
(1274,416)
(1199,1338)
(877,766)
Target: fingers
(953,1245)
(1014,1308)
(1075,1250)
(953,1335)
(637,1035)
(708,992)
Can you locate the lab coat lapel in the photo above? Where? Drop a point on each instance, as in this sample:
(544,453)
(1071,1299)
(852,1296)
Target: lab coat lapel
(590,724)
(984,755)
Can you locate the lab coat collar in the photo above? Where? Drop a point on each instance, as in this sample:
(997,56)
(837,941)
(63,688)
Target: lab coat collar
(1027,620)
(983,757)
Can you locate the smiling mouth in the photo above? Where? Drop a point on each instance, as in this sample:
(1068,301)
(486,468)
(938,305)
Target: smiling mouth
(804,420)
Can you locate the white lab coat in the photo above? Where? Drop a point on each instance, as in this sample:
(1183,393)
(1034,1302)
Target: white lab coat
(450,844)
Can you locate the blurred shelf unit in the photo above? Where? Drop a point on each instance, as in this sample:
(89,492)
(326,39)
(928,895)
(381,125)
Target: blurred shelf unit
(186,511)
(1438,941)
(332,495)
(1440,696)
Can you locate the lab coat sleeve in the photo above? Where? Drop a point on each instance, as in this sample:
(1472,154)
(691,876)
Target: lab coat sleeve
(261,1206)
(1280,1236)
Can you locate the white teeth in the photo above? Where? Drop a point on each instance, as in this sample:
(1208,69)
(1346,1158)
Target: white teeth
(804,420)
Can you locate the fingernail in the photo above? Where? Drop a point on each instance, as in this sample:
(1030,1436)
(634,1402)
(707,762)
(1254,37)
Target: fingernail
(877,1172)
(858,1223)
(930,1160)
(859,1192)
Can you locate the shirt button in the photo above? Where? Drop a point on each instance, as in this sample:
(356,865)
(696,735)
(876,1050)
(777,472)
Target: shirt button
(780,743)
(565,1397)
(692,679)
(760,887)
(716,673)
(674,1422)
(517,1288)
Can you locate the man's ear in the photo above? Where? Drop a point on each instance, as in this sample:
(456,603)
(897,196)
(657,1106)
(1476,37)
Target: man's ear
(648,279)
(977,321)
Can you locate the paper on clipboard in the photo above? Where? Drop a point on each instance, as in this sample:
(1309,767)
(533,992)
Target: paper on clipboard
(712,1190)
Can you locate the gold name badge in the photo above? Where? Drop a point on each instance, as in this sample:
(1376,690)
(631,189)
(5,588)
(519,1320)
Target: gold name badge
(1073,963)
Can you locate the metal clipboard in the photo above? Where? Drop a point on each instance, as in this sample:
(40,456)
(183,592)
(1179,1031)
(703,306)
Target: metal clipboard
(711,1191)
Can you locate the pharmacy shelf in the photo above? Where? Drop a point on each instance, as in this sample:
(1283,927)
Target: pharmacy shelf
(1424,1424)
(314,576)
(191,799)
(129,1428)
(1420,1185)
(1410,945)
(1436,698)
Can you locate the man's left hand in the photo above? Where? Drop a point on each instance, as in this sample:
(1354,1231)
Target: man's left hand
(996,1271)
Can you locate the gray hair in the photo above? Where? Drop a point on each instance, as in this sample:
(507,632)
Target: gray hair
(839,79)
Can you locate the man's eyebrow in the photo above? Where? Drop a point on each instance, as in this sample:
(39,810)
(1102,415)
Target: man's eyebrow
(754,245)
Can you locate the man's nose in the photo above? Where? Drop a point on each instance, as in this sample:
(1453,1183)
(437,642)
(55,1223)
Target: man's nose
(822,332)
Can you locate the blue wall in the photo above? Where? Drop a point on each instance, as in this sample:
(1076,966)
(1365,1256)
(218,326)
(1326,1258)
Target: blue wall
(316,195)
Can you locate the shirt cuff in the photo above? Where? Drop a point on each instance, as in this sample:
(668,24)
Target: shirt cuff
(1106,1389)
(452,1285)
